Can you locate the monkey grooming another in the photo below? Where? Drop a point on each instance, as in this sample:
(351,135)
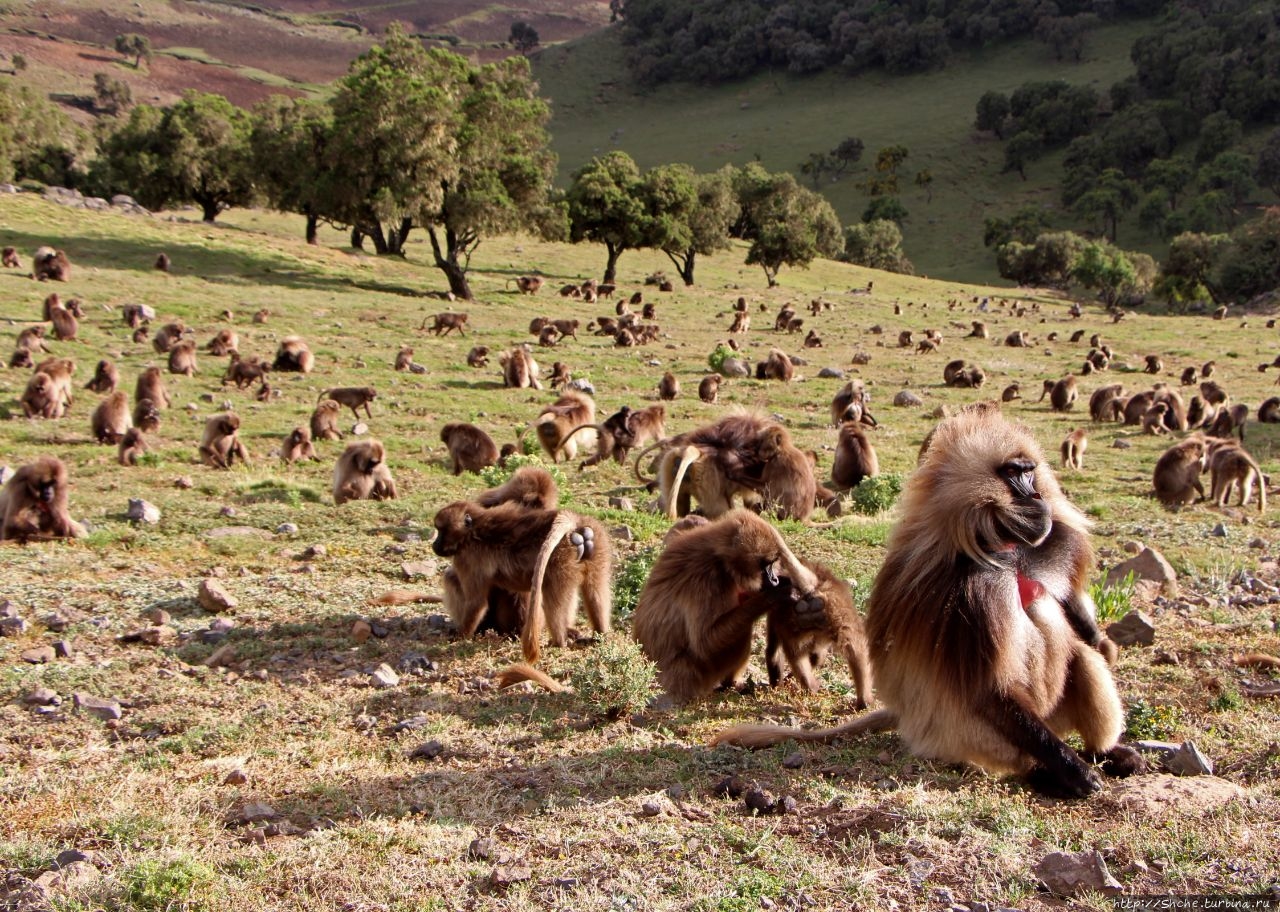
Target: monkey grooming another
(984,645)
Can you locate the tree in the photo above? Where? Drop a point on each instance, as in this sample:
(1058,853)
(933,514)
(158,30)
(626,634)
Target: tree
(876,245)
(888,160)
(134,45)
(1187,272)
(1267,168)
(1023,226)
(1111,197)
(607,206)
(1250,264)
(846,154)
(885,209)
(1020,151)
(196,151)
(924,180)
(1172,175)
(1048,261)
(690,214)
(1109,270)
(37,140)
(815,166)
(787,224)
(1218,133)
(111,96)
(993,111)
(291,144)
(523,37)
(1232,174)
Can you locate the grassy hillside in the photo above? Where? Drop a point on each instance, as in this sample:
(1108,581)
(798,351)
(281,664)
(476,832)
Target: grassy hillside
(354,821)
(781,119)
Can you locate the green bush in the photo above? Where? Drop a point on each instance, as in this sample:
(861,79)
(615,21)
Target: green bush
(617,678)
(496,475)
(1114,602)
(1146,722)
(630,579)
(168,885)
(877,493)
(717,358)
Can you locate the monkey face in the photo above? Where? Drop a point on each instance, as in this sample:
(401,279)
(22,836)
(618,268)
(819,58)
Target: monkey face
(1028,518)
(453,524)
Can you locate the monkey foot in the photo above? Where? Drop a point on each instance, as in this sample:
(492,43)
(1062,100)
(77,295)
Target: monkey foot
(1121,761)
(1078,781)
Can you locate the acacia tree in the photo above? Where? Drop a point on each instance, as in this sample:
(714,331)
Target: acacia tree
(196,151)
(606,205)
(690,213)
(290,145)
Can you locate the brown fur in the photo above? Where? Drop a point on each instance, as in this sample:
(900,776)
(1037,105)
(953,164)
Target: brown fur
(1153,420)
(555,423)
(1073,447)
(162,262)
(560,376)
(478,356)
(224,343)
(1155,364)
(220,446)
(31,339)
(470,448)
(1230,464)
(1189,376)
(548,336)
(529,284)
(855,457)
(741,323)
(324,420)
(353,397)
(709,388)
(1011,392)
(361,473)
(111,420)
(444,323)
(1213,393)
(519,370)
(141,334)
(813,340)
(146,416)
(697,609)
(979,330)
(1175,418)
(298,446)
(1018,339)
(51,264)
(131,447)
(668,387)
(21,357)
(624,430)
(850,404)
(528,486)
(1135,407)
(105,378)
(1063,394)
(566,327)
(294,355)
(983,640)
(42,397)
(776,367)
(134,315)
(65,325)
(33,503)
(182,358)
(1100,408)
(167,337)
(244,371)
(9,258)
(404,358)
(1269,411)
(960,373)
(260,316)
(524,550)
(1177,473)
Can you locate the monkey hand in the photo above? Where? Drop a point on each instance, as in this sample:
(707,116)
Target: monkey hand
(1108,649)
(584,540)
(810,611)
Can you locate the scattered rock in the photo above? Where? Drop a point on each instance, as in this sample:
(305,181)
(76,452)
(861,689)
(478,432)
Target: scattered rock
(1067,874)
(1120,444)
(236,777)
(483,849)
(622,533)
(1168,794)
(860,358)
(12,626)
(1131,547)
(831,373)
(287,528)
(98,707)
(651,808)
(235,532)
(222,656)
(57,621)
(506,874)
(1134,629)
(229,511)
(793,761)
(214,597)
(1219,531)
(360,429)
(71,856)
(415,663)
(39,655)
(42,696)
(63,649)
(158,616)
(1148,564)
(183,482)
(414,569)
(759,800)
(1257,544)
(907,399)
(253,811)
(940,412)
(622,503)
(312,552)
(428,750)
(142,511)
(384,676)
(1187,760)
(729,787)
(734,367)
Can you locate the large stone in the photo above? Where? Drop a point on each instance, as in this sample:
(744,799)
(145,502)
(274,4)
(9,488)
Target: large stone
(1134,629)
(1187,760)
(39,655)
(1147,564)
(214,597)
(99,707)
(1067,873)
(143,511)
(907,399)
(1167,795)
(384,676)
(734,367)
(12,626)
(415,569)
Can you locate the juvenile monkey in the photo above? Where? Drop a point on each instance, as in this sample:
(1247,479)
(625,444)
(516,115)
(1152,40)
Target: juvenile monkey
(353,397)
(151,386)
(220,446)
(404,358)
(470,448)
(9,258)
(1153,420)
(445,323)
(668,387)
(1011,392)
(65,326)
(31,339)
(146,417)
(324,420)
(50,264)
(855,457)
(1100,408)
(709,388)
(361,473)
(298,446)
(182,358)
(224,343)
(478,356)
(33,503)
(560,376)
(1154,364)
(530,486)
(1073,447)
(168,336)
(105,378)
(293,355)
(110,420)
(60,371)
(131,447)
(245,371)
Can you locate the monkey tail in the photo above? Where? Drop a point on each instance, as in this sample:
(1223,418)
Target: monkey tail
(690,455)
(405,597)
(757,736)
(514,674)
(531,636)
(645,452)
(582,427)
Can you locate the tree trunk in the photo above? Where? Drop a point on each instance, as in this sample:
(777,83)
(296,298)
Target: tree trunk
(374,233)
(357,239)
(611,267)
(397,236)
(210,208)
(447,261)
(771,274)
(313,226)
(686,272)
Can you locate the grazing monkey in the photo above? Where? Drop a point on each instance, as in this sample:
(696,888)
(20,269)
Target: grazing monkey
(1011,392)
(855,457)
(984,646)
(741,322)
(361,473)
(1230,464)
(1206,369)
(404,358)
(979,330)
(51,264)
(519,370)
(162,262)
(293,355)
(444,323)
(65,325)
(221,444)
(1177,473)
(110,420)
(31,340)
(297,446)
(141,334)
(224,343)
(624,430)
(529,486)
(1073,447)
(1189,376)
(260,316)
(105,378)
(478,356)
(1018,339)
(1101,407)
(324,420)
(776,367)
(244,371)
(1063,394)
(168,336)
(1269,411)
(33,503)
(960,373)
(182,358)
(555,556)
(146,416)
(353,397)
(21,357)
(704,594)
(470,448)
(567,328)
(264,393)
(538,324)
(558,424)
(560,376)
(131,447)
(709,388)
(527,284)
(1154,364)
(1153,420)
(9,258)
(135,315)
(548,336)
(668,387)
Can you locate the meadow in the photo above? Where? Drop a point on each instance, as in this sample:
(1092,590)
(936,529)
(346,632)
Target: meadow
(530,800)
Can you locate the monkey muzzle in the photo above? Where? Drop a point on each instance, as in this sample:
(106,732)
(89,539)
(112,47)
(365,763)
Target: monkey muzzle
(1029,519)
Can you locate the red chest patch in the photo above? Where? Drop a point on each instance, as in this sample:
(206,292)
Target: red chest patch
(1028,590)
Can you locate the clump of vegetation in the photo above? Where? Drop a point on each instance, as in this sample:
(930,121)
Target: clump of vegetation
(1228,700)
(1114,602)
(877,493)
(1145,721)
(617,677)
(629,580)
(274,491)
(176,883)
(496,475)
(717,358)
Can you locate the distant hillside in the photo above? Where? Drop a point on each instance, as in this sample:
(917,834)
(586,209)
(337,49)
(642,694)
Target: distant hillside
(781,118)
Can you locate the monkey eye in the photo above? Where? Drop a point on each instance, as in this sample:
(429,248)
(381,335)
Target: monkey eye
(1020,476)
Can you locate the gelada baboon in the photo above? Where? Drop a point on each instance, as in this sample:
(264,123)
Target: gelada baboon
(1073,447)
(42,397)
(353,397)
(168,336)
(556,424)
(709,388)
(361,473)
(151,386)
(404,358)
(9,258)
(131,447)
(668,387)
(146,417)
(244,371)
(33,503)
(220,446)
(519,370)
(298,446)
(51,264)
(478,356)
(778,366)
(855,457)
(324,420)
(293,355)
(554,555)
(984,645)
(445,323)
(111,420)
(105,378)
(961,374)
(182,358)
(851,403)
(1230,465)
(224,343)
(704,594)
(1177,473)
(470,448)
